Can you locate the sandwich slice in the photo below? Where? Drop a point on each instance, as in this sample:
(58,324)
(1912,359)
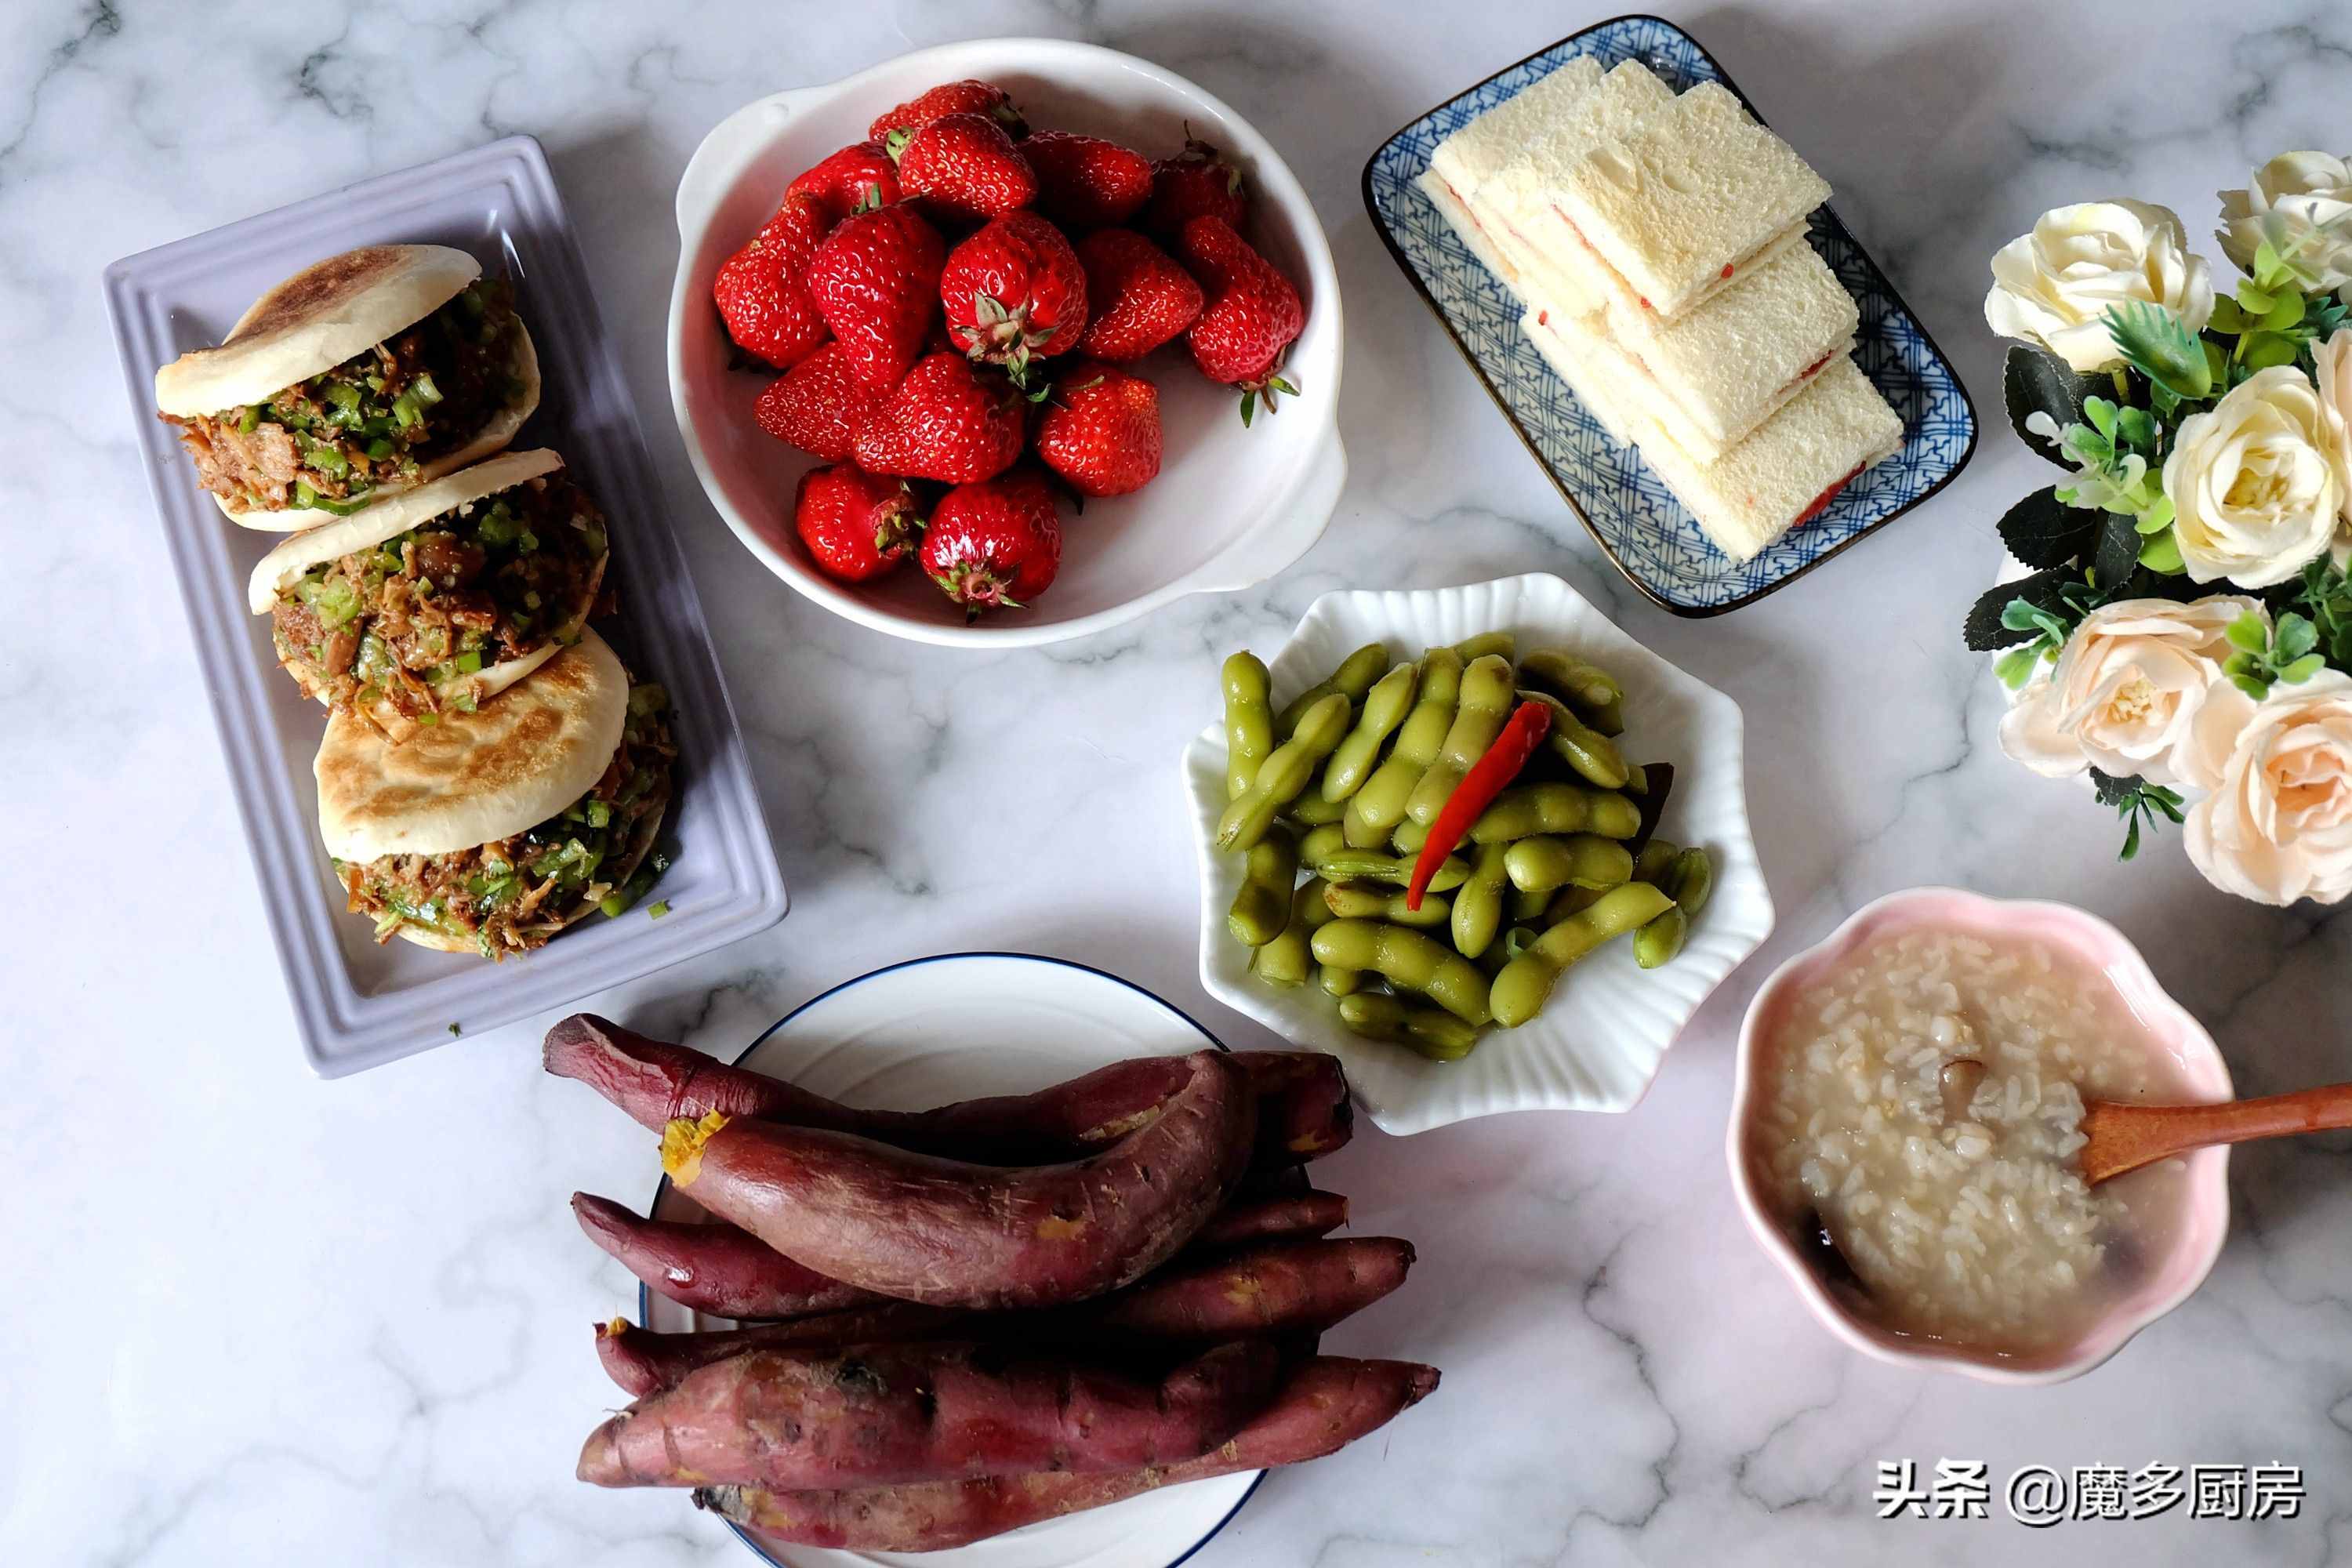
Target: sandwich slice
(1787,471)
(431,603)
(363,375)
(492,832)
(1470,157)
(1677,205)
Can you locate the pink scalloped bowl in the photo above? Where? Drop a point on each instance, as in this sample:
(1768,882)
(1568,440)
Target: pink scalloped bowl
(2196,1238)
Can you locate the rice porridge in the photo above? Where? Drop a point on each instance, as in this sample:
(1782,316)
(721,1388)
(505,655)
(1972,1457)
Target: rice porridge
(1920,1123)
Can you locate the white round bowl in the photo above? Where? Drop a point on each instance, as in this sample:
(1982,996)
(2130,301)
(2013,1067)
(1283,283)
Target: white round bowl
(1599,1041)
(1230,507)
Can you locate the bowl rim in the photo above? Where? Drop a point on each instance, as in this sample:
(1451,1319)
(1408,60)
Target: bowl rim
(2113,1330)
(1289,523)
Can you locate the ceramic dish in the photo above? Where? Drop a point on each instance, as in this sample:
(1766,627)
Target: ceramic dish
(358,1004)
(1629,511)
(1231,506)
(1598,1042)
(2206,1217)
(939,1029)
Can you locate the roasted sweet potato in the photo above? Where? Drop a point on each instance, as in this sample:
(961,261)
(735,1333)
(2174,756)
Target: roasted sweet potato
(1275,1287)
(922,1228)
(1323,1405)
(885,1415)
(1247,1220)
(1305,1113)
(717,1268)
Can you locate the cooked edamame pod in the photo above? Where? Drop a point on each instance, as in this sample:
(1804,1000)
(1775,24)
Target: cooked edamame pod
(1262,908)
(1593,755)
(1569,900)
(1609,719)
(1319,845)
(1409,837)
(1379,804)
(1338,982)
(1434,1032)
(1488,696)
(1249,719)
(1385,707)
(1287,959)
(1525,909)
(1352,679)
(1499,643)
(1656,858)
(1526,982)
(1370,866)
(1375,902)
(1575,680)
(1688,882)
(1311,810)
(1478,904)
(1637,779)
(1526,810)
(1576,859)
(1409,959)
(1286,771)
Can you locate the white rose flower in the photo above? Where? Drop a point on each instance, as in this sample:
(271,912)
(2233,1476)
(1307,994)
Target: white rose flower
(2051,287)
(2278,825)
(2303,200)
(2255,481)
(2129,691)
(2334,362)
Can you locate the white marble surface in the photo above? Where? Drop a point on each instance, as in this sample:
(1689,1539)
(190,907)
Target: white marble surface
(257,1317)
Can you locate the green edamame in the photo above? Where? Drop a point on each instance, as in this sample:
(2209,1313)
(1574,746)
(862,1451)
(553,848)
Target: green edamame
(1378,901)
(1501,644)
(1637,779)
(1688,881)
(1525,909)
(1249,719)
(1570,900)
(1478,904)
(1368,866)
(1286,772)
(1593,755)
(1379,804)
(1526,810)
(1311,810)
(1487,697)
(1409,837)
(1656,858)
(1409,959)
(1435,1034)
(1578,682)
(1338,982)
(1525,982)
(1320,845)
(1286,960)
(1352,679)
(1385,707)
(1609,719)
(1577,859)
(1262,908)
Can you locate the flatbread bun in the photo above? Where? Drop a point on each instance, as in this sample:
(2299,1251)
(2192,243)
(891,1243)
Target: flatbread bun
(641,846)
(474,777)
(313,321)
(493,438)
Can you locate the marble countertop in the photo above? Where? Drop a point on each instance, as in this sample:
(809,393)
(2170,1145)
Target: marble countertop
(262,1318)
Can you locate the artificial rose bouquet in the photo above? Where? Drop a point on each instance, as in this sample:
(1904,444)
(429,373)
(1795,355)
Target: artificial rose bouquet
(2186,623)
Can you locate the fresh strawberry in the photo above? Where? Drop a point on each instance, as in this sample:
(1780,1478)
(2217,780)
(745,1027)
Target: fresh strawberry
(819,405)
(1013,291)
(874,279)
(966,97)
(1084,182)
(759,291)
(1252,315)
(1100,430)
(858,177)
(1196,183)
(857,525)
(1137,297)
(963,167)
(994,545)
(945,422)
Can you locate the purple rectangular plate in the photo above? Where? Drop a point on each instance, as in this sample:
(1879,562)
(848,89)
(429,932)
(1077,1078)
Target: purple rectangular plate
(359,1004)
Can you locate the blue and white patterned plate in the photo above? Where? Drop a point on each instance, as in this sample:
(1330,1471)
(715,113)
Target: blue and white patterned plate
(1628,511)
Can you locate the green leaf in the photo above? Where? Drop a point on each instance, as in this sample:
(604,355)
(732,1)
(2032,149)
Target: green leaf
(2042,530)
(2267,263)
(2265,351)
(2286,313)
(2247,634)
(2162,553)
(2119,548)
(2016,667)
(2254,299)
(2294,637)
(2138,428)
(2101,415)
(2228,319)
(2251,686)
(2035,381)
(2155,342)
(2303,668)
(1985,628)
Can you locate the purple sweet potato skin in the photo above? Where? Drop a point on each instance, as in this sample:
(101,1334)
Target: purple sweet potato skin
(1324,1405)
(717,1268)
(1303,1214)
(887,1414)
(1305,1113)
(946,1233)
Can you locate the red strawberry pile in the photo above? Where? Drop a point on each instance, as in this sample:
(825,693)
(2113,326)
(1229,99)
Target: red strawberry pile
(957,305)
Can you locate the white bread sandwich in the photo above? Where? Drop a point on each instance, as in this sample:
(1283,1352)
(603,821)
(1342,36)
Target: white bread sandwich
(492,832)
(1467,159)
(1723,368)
(1677,205)
(365,374)
(1787,471)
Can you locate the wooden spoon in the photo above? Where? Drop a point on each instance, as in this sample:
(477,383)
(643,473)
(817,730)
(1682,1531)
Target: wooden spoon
(2125,1136)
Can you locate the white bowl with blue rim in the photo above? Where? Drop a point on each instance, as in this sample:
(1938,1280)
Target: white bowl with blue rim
(1641,527)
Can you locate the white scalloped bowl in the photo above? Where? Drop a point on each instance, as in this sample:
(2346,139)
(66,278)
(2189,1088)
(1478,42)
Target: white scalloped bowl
(1231,507)
(1599,1041)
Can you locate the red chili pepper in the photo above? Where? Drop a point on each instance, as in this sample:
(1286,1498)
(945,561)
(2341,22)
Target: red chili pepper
(1522,733)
